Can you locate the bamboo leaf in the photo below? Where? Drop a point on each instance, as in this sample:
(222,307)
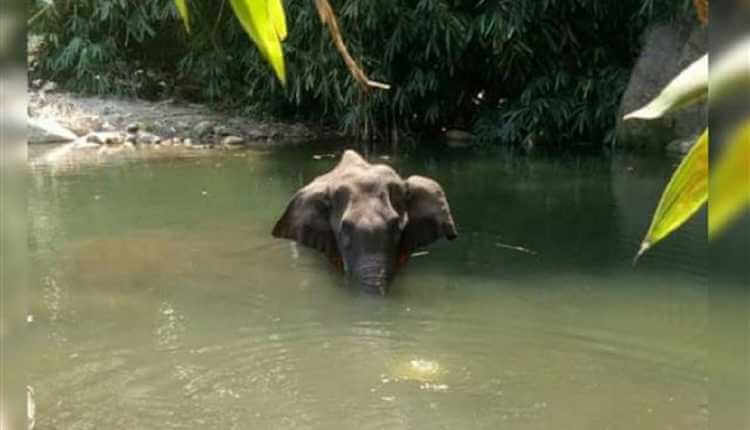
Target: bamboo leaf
(689,87)
(256,19)
(183,10)
(730,192)
(276,12)
(685,193)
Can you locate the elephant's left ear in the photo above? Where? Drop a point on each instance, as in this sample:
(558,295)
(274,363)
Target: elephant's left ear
(429,214)
(306,220)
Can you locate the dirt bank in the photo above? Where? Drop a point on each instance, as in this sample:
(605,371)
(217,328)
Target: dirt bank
(162,122)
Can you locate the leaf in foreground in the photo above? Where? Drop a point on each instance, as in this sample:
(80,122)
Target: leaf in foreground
(730,73)
(730,177)
(182,9)
(276,13)
(689,87)
(264,22)
(686,192)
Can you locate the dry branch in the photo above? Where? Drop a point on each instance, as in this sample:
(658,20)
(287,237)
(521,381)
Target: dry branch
(701,7)
(329,18)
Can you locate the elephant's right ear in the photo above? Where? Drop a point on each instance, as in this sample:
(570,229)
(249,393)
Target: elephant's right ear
(430,215)
(306,220)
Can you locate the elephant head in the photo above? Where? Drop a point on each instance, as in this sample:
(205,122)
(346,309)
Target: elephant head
(367,219)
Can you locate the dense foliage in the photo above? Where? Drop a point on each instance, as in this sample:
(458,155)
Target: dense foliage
(547,70)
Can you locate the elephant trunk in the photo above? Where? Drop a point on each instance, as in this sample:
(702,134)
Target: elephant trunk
(372,273)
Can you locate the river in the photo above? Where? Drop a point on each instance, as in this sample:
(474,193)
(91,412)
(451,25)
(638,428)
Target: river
(159,300)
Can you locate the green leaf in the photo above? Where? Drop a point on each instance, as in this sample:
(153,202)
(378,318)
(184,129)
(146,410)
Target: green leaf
(689,87)
(183,10)
(686,192)
(276,12)
(730,192)
(265,28)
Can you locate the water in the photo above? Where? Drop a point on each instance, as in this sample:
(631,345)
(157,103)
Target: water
(161,301)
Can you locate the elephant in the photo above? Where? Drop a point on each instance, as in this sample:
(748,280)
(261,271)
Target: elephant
(366,219)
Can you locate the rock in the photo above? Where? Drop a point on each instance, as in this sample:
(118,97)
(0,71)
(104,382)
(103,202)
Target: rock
(144,138)
(133,127)
(49,86)
(203,128)
(232,141)
(187,142)
(49,131)
(667,49)
(105,138)
(113,137)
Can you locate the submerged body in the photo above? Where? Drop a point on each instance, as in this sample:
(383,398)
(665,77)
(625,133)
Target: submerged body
(367,219)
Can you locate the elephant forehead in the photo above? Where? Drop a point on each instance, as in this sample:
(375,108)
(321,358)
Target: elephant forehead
(368,186)
(375,209)
(369,179)
(372,217)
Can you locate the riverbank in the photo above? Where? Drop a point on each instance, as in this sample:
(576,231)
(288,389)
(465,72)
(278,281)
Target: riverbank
(98,122)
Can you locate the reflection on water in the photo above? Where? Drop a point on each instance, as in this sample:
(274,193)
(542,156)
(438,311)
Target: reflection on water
(161,301)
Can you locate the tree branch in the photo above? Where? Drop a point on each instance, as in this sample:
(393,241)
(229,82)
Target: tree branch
(329,18)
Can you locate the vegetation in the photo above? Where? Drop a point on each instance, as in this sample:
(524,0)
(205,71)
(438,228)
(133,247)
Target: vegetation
(547,70)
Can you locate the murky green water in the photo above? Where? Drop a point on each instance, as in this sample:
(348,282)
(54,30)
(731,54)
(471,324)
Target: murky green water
(161,301)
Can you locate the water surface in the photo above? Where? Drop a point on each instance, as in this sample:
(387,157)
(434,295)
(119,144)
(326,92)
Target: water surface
(160,300)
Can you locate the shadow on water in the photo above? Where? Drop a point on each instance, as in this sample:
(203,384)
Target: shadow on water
(161,301)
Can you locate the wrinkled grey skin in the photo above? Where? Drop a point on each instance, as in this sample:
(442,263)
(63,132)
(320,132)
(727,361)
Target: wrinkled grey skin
(367,219)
